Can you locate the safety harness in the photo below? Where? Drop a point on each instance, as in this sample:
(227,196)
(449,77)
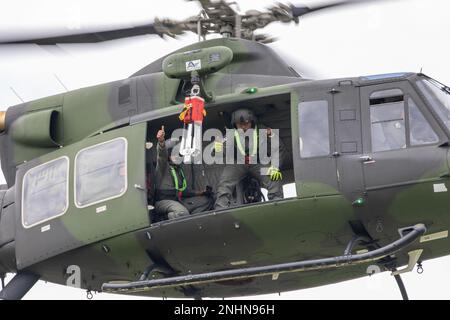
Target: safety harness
(241,147)
(179,190)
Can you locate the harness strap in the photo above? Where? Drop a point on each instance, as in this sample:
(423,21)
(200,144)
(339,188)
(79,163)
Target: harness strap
(179,190)
(255,142)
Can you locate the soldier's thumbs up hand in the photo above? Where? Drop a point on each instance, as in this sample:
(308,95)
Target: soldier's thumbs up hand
(161,135)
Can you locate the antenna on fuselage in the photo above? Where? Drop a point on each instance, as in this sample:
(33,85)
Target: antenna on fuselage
(17,95)
(201,16)
(60,82)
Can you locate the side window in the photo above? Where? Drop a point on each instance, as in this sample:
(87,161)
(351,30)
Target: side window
(101,172)
(420,130)
(314,129)
(387,118)
(45,192)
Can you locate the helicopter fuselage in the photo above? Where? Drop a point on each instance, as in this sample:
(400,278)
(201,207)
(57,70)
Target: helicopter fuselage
(368,156)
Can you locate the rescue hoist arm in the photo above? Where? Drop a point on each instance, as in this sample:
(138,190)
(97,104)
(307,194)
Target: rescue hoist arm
(192,117)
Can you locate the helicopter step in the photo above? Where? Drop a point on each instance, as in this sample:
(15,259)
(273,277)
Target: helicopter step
(414,257)
(271,270)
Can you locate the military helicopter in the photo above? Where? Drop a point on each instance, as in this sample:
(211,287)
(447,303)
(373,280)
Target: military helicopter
(363,212)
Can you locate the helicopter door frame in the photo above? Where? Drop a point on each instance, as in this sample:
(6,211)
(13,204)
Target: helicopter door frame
(98,220)
(410,164)
(348,138)
(314,175)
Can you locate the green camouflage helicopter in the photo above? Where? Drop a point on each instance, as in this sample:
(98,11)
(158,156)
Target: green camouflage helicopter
(77,212)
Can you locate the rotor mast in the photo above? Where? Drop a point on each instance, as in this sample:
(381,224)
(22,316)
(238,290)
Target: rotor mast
(219,17)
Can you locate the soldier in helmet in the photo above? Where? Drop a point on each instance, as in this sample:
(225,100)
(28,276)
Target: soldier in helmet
(244,121)
(174,196)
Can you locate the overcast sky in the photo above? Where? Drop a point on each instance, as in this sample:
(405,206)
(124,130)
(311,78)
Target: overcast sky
(403,35)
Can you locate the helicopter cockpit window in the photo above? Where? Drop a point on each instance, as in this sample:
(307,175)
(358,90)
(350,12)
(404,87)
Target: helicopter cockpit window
(387,118)
(438,96)
(45,192)
(101,172)
(314,129)
(421,131)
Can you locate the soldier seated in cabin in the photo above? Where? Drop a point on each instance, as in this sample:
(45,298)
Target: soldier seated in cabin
(269,177)
(174,196)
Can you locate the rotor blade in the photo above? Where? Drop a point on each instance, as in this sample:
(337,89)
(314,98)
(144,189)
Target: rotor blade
(298,11)
(204,3)
(92,37)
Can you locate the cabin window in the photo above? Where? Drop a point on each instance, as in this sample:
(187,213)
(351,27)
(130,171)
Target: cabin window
(420,130)
(314,129)
(101,172)
(387,118)
(45,192)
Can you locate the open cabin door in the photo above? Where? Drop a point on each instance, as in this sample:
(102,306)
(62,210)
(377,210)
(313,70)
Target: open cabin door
(313,143)
(81,194)
(348,139)
(327,159)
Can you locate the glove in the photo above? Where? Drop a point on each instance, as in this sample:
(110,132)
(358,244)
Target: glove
(208,192)
(275,174)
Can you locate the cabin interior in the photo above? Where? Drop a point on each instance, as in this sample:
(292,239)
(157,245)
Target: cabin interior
(273,112)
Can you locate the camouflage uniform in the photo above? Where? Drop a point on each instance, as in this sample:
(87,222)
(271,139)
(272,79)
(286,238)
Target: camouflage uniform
(232,175)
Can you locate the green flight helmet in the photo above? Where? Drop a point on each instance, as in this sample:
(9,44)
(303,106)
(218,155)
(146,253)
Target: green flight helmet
(242,115)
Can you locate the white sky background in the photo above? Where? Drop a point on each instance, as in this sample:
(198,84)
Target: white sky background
(403,35)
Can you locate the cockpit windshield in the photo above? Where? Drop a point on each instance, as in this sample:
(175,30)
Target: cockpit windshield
(438,96)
